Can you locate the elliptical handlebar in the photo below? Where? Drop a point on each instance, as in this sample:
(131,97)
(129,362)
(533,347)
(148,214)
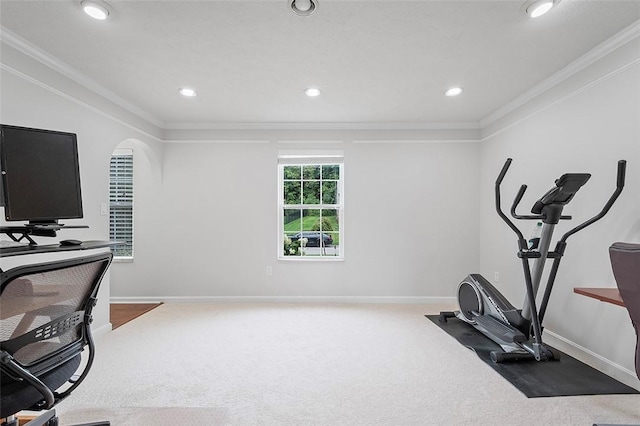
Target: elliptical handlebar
(503,172)
(622,164)
(516,201)
(521,241)
(622,167)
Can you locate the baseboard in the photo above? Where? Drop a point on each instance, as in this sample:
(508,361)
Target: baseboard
(101,331)
(135,300)
(592,359)
(289,299)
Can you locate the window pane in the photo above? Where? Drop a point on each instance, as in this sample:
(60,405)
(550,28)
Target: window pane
(292,193)
(329,220)
(310,192)
(120,229)
(311,172)
(331,172)
(329,192)
(292,172)
(291,246)
(333,249)
(292,222)
(311,220)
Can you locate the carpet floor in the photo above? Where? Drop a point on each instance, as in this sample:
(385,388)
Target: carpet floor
(304,364)
(147,416)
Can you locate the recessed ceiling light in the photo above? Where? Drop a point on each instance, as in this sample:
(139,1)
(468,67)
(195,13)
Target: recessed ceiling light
(453,91)
(312,92)
(97,9)
(303,7)
(540,7)
(187,92)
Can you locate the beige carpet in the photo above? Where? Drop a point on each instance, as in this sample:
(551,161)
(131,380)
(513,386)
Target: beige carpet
(280,364)
(143,416)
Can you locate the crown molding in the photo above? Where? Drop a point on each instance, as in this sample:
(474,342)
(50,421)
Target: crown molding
(217,141)
(313,142)
(321,126)
(589,58)
(29,49)
(414,141)
(513,121)
(77,101)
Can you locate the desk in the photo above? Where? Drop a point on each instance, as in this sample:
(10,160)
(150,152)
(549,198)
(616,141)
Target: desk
(609,295)
(52,248)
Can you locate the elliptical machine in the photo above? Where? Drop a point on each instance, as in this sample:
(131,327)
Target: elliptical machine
(519,332)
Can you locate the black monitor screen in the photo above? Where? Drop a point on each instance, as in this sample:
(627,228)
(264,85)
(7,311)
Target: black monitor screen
(40,175)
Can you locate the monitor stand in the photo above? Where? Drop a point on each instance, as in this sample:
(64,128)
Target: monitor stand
(40,229)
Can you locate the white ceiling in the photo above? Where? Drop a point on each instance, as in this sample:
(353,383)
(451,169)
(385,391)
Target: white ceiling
(376,62)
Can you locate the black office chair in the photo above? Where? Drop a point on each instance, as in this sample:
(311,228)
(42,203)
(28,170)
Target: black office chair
(45,317)
(625,261)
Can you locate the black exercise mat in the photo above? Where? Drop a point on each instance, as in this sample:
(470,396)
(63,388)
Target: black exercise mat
(566,377)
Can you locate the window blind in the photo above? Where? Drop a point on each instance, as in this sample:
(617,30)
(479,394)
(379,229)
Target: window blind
(121,203)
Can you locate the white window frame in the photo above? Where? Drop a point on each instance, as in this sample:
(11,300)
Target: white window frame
(128,230)
(303,158)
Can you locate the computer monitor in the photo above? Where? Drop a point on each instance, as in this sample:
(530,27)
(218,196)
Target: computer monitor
(40,175)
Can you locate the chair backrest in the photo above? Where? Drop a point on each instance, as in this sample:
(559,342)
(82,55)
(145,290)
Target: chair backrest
(45,317)
(625,261)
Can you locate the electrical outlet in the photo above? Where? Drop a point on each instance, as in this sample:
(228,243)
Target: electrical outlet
(496,276)
(269,271)
(104,210)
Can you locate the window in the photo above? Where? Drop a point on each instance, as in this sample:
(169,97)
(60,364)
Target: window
(311,206)
(121,202)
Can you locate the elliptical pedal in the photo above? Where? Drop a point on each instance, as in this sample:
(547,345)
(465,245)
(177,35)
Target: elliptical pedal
(500,329)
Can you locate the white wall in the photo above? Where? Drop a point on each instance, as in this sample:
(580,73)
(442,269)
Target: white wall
(34,96)
(587,125)
(210,229)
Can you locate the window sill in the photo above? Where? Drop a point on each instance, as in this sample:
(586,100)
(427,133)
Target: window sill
(311,258)
(122,259)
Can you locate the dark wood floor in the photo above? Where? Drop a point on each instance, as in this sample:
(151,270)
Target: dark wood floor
(122,313)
